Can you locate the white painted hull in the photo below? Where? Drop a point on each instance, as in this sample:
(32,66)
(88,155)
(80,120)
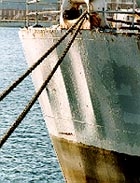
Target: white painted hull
(94,98)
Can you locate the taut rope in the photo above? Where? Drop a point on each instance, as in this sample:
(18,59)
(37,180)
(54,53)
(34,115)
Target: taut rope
(35,97)
(24,75)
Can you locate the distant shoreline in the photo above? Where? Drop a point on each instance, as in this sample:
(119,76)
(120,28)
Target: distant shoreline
(20,23)
(12,23)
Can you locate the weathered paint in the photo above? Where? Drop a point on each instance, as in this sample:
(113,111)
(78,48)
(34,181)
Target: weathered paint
(93,99)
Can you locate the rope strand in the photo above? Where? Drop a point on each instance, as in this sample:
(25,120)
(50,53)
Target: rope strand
(23,76)
(35,97)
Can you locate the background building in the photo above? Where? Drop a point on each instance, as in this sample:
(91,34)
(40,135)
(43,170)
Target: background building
(16,9)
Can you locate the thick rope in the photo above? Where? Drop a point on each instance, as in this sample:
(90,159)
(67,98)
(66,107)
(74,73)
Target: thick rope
(35,97)
(24,75)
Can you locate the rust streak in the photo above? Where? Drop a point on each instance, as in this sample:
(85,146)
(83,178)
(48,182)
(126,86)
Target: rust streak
(65,133)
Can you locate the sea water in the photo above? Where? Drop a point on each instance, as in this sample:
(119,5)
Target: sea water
(27,156)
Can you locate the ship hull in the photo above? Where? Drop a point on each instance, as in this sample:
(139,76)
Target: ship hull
(92,104)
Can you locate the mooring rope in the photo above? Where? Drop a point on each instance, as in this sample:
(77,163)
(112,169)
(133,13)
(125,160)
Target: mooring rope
(35,97)
(24,75)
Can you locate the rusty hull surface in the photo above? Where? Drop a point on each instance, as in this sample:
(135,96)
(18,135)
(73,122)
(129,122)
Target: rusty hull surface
(87,164)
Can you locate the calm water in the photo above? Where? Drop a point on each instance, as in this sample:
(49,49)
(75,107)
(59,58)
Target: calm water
(27,156)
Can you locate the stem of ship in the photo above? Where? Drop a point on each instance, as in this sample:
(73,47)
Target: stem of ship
(35,97)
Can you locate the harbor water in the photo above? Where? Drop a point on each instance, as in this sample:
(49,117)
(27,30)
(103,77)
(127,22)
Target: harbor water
(28,155)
